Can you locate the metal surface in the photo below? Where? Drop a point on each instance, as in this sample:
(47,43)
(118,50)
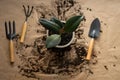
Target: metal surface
(27,12)
(11,34)
(95,28)
(10,30)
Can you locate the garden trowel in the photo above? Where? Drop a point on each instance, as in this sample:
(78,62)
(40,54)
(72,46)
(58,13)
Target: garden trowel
(93,33)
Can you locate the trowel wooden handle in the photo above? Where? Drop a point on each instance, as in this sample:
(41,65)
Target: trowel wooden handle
(23,32)
(11,52)
(90,49)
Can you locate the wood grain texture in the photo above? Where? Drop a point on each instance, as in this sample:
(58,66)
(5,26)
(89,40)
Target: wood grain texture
(11,52)
(24,28)
(90,49)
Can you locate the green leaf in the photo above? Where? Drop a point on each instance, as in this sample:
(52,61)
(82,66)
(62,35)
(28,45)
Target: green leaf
(72,23)
(57,21)
(53,40)
(50,25)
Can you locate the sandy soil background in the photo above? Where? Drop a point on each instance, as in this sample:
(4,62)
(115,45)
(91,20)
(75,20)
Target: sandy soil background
(108,45)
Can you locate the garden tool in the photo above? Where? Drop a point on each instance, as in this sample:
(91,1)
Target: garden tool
(93,33)
(10,34)
(24,28)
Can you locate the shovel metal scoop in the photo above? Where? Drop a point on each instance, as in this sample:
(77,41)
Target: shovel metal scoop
(93,33)
(24,28)
(10,34)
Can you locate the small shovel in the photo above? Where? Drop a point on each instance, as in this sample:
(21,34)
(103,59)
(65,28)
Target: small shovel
(93,33)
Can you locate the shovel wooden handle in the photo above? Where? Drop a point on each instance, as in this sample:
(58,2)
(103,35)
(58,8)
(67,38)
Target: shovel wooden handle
(90,49)
(23,32)
(11,52)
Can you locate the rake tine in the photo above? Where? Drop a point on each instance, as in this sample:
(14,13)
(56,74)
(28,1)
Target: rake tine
(14,27)
(31,11)
(25,10)
(6,29)
(9,27)
(28,11)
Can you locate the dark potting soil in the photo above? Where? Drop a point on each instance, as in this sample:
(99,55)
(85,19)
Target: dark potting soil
(65,38)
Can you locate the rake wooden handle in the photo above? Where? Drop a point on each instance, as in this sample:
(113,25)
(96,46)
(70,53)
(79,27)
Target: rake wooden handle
(11,52)
(23,32)
(90,49)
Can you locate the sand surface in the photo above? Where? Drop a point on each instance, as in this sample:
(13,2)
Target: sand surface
(107,46)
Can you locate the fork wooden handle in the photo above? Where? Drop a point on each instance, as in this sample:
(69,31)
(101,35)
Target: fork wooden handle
(11,52)
(90,49)
(23,32)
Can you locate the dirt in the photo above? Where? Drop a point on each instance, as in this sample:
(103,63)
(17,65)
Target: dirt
(66,61)
(69,61)
(104,64)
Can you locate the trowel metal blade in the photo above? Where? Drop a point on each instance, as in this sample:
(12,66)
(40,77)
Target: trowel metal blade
(94,29)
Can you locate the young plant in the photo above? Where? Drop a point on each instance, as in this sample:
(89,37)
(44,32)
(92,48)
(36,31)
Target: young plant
(58,28)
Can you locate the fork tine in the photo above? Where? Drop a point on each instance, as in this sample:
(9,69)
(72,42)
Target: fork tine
(9,27)
(14,27)
(6,30)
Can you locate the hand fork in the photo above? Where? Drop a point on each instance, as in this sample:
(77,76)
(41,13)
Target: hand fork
(27,14)
(10,34)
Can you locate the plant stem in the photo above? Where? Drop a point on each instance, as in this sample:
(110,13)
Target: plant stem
(61,31)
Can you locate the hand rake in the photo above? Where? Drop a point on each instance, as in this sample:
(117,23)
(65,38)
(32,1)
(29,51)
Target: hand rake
(10,34)
(24,28)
